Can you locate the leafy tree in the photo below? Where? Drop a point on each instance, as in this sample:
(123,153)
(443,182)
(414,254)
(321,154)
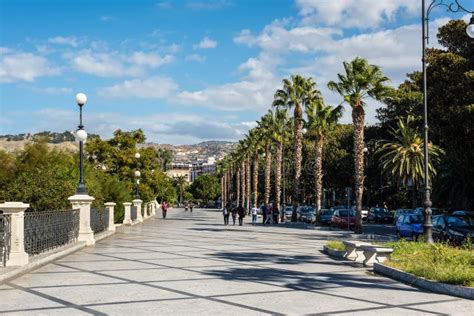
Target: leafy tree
(360,81)
(205,187)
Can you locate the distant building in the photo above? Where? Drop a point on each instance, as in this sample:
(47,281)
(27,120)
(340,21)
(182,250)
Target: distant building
(192,170)
(180,170)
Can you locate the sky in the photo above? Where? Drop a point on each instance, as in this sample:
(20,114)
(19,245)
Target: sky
(190,70)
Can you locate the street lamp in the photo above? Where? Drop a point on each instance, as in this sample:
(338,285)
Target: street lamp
(137,175)
(454,6)
(81,137)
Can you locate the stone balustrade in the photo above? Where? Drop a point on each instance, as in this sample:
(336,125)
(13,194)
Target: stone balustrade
(19,257)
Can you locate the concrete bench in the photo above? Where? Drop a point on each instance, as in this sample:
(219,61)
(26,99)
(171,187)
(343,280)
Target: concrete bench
(374,254)
(353,250)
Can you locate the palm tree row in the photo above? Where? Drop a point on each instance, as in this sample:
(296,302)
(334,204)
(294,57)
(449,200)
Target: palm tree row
(276,130)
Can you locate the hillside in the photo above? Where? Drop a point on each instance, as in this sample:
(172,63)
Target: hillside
(65,141)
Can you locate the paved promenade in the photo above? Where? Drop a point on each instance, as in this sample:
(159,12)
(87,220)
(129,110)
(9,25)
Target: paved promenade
(190,264)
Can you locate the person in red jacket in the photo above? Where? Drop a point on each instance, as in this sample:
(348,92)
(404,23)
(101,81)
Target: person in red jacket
(164,208)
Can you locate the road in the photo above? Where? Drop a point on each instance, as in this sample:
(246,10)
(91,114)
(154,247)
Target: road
(190,264)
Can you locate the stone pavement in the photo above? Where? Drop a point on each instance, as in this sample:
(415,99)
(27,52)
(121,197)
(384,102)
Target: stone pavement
(190,264)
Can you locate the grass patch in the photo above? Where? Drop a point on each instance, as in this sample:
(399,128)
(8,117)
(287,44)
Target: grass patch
(438,262)
(335,245)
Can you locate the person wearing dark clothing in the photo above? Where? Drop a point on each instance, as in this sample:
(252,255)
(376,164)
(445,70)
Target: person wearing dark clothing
(234,215)
(264,213)
(241,212)
(276,214)
(226,213)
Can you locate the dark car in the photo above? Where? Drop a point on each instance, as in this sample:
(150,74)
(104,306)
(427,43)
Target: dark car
(326,216)
(288,212)
(379,215)
(399,212)
(343,218)
(307,215)
(455,229)
(409,225)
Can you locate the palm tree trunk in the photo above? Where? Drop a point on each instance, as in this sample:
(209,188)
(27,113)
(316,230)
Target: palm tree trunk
(319,176)
(249,187)
(222,190)
(278,159)
(255,180)
(237,199)
(243,182)
(358,117)
(268,165)
(298,159)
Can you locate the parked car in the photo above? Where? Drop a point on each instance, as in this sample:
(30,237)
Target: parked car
(288,212)
(455,229)
(409,225)
(400,212)
(465,213)
(364,212)
(434,211)
(343,218)
(307,214)
(379,215)
(326,217)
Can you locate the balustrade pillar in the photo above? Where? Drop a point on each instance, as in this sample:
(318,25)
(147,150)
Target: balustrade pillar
(138,204)
(83,203)
(18,256)
(127,219)
(110,206)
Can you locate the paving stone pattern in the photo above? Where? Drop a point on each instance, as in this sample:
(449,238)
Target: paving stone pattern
(190,264)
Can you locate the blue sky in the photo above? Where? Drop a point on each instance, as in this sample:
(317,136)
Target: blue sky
(190,70)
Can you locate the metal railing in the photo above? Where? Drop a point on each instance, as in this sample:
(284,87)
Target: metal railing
(134,213)
(99,220)
(5,236)
(48,230)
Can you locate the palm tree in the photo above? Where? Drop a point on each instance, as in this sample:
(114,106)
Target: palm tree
(403,158)
(321,118)
(278,127)
(295,93)
(180,183)
(360,81)
(265,126)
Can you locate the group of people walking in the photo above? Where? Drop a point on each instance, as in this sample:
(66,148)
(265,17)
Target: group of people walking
(269,215)
(233,211)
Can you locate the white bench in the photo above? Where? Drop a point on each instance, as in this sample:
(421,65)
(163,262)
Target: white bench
(375,253)
(353,250)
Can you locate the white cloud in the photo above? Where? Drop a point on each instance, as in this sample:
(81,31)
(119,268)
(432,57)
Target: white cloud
(208,4)
(362,14)
(150,88)
(107,18)
(195,57)
(60,40)
(150,59)
(164,5)
(206,43)
(19,66)
(54,90)
(113,64)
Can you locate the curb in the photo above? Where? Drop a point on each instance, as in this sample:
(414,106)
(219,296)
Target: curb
(340,254)
(433,286)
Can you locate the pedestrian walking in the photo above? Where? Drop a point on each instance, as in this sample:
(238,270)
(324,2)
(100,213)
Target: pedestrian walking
(254,215)
(269,219)
(226,213)
(191,206)
(164,208)
(234,215)
(241,212)
(264,213)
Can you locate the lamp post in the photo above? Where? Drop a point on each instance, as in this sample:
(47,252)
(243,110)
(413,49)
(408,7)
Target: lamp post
(451,6)
(137,176)
(137,192)
(81,137)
